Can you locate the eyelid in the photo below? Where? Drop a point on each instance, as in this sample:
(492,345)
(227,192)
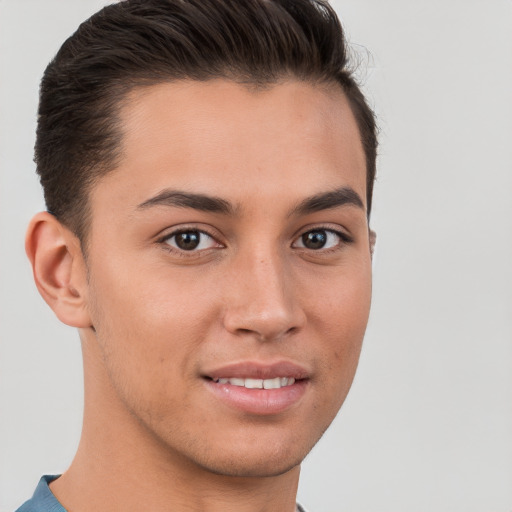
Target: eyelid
(183,228)
(168,233)
(343,233)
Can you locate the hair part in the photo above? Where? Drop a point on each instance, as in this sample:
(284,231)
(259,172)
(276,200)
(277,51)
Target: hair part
(137,43)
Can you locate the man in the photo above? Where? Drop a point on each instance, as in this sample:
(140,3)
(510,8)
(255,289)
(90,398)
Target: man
(208,170)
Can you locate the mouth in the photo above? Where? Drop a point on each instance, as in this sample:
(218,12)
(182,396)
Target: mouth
(275,383)
(259,389)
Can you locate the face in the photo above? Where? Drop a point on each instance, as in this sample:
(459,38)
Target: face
(229,271)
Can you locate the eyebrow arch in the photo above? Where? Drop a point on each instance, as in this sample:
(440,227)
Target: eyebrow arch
(180,199)
(326,200)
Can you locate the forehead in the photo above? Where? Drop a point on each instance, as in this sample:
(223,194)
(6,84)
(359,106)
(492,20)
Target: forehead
(230,140)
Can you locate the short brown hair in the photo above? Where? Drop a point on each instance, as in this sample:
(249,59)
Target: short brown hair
(135,43)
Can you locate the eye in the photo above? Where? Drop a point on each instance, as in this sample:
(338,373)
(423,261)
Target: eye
(190,240)
(316,239)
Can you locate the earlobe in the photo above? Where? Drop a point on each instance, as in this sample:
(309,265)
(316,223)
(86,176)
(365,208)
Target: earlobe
(59,269)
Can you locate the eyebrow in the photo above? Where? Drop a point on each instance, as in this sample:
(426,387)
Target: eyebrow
(323,201)
(327,200)
(181,199)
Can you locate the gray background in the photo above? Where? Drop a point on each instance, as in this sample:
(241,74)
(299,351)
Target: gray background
(428,423)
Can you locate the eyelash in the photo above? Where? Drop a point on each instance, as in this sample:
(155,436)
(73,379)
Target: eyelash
(164,241)
(344,238)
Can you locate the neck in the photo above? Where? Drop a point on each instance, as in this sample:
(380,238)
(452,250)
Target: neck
(120,465)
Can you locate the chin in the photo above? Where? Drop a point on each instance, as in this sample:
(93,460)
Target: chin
(267,458)
(252,467)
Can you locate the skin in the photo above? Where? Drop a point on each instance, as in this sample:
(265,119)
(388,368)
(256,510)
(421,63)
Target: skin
(155,319)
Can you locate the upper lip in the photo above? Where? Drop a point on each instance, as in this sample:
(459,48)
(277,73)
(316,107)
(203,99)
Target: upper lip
(259,370)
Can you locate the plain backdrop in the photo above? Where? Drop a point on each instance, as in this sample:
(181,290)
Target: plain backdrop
(428,423)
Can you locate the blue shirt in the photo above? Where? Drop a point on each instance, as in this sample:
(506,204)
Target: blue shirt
(43,499)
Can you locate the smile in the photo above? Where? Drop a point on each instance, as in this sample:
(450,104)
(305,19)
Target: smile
(275,383)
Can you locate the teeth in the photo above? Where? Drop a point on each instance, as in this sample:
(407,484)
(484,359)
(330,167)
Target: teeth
(254,383)
(272,383)
(276,383)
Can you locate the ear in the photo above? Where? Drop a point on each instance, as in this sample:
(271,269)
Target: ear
(373,239)
(59,269)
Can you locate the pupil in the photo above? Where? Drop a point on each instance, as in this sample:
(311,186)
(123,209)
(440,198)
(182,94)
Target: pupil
(188,241)
(314,239)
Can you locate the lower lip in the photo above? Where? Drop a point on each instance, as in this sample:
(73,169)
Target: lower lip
(259,401)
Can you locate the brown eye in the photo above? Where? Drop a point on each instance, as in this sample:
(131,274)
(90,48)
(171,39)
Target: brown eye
(192,240)
(188,241)
(314,239)
(317,239)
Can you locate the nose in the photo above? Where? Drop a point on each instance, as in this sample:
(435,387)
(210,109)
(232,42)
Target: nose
(262,301)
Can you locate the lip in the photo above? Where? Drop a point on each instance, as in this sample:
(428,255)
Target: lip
(261,402)
(259,370)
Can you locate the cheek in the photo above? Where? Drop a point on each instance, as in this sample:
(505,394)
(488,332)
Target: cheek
(339,305)
(339,315)
(146,328)
(146,295)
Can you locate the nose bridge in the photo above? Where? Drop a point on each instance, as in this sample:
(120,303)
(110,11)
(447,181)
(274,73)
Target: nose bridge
(262,299)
